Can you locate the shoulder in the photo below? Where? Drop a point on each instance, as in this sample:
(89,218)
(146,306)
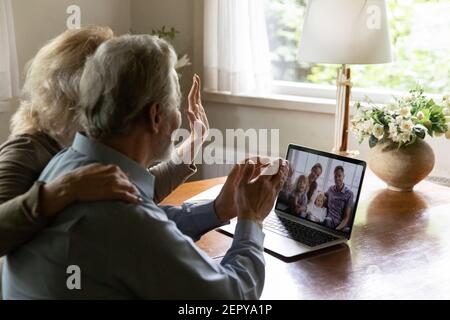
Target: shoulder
(31,142)
(17,146)
(34,150)
(22,159)
(348,192)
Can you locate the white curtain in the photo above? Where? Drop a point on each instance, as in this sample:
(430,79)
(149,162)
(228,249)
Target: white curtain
(236,47)
(9,71)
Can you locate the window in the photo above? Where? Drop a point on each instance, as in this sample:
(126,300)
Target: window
(9,74)
(420,37)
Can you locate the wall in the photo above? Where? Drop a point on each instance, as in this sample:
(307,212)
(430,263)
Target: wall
(148,15)
(36,22)
(306,128)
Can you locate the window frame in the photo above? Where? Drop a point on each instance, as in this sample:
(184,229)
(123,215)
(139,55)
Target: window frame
(325,91)
(288,95)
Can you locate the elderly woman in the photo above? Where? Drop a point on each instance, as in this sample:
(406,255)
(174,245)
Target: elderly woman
(45,123)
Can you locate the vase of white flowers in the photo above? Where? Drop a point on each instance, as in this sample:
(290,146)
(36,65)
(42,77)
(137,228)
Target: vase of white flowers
(396,132)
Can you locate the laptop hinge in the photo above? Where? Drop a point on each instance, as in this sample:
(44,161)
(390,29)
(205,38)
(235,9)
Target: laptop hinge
(309,224)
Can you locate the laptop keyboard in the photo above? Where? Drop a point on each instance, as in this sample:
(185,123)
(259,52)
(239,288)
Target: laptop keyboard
(296,231)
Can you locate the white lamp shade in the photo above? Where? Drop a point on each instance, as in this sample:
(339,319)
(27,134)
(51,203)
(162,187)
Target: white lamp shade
(345,32)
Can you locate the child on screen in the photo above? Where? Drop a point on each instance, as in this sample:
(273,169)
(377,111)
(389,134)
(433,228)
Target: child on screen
(316,211)
(298,200)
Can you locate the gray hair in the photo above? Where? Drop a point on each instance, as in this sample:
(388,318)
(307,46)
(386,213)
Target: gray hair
(125,75)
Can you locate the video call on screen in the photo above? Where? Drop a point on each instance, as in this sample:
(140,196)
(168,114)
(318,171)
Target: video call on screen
(321,189)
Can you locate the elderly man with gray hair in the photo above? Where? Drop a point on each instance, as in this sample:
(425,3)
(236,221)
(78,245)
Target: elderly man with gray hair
(130,98)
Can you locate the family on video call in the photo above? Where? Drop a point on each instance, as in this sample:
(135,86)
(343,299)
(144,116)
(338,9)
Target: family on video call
(304,198)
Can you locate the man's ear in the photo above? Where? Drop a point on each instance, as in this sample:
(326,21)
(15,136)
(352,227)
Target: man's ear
(154,117)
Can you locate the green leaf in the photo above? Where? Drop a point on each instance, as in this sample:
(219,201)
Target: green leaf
(430,103)
(420,131)
(372,141)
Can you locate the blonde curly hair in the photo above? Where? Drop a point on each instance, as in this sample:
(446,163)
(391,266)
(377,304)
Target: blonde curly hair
(50,93)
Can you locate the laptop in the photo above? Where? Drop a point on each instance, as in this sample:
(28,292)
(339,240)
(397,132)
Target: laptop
(316,208)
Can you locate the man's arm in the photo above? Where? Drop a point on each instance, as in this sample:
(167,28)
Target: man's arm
(194,220)
(165,264)
(347,213)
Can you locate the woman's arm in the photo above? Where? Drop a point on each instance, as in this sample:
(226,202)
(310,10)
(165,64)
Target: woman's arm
(22,216)
(168,176)
(19,219)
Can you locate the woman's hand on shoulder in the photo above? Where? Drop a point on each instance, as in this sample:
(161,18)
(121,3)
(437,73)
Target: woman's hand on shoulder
(94,182)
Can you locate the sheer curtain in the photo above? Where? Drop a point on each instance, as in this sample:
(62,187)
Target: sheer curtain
(236,47)
(9,71)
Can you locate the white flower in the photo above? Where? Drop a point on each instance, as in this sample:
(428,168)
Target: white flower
(360,113)
(368,125)
(405,111)
(366,107)
(395,138)
(446,111)
(393,131)
(389,118)
(393,127)
(355,126)
(378,131)
(420,115)
(407,99)
(357,119)
(405,137)
(358,127)
(446,100)
(406,126)
(391,107)
(361,136)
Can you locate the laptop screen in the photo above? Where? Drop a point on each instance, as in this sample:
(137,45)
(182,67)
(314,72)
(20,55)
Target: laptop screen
(323,188)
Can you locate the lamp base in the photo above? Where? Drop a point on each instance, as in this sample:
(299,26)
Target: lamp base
(341,127)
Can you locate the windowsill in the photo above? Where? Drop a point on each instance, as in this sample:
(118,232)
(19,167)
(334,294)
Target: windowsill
(275,101)
(306,97)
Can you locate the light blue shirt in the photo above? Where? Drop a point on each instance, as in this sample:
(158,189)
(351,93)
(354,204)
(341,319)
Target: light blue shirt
(131,251)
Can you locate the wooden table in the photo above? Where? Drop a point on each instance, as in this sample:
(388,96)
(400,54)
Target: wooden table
(400,249)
